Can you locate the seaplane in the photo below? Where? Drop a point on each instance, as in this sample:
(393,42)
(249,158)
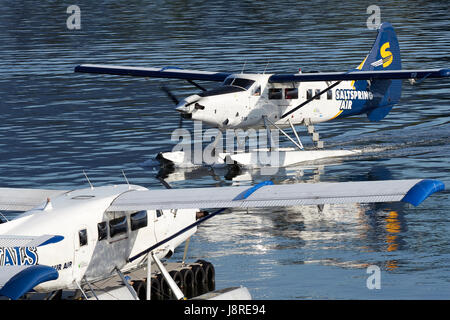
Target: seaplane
(276,101)
(67,239)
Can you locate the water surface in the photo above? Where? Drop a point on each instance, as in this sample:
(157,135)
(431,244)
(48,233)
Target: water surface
(55,124)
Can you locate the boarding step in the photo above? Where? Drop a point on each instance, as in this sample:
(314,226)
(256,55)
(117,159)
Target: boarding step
(314,135)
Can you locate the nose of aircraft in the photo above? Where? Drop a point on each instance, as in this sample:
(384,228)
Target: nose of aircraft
(186,106)
(183,108)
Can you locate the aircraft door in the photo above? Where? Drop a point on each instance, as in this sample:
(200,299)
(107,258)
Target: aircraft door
(83,243)
(162,222)
(254,96)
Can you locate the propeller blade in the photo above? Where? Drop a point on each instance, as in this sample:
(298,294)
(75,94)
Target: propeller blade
(175,100)
(170,94)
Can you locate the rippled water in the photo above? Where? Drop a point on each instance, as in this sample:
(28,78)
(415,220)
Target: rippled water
(55,123)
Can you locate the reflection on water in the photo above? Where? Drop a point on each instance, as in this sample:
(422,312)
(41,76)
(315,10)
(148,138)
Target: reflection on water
(330,227)
(55,124)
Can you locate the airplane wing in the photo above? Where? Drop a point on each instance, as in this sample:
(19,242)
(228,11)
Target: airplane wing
(185,74)
(360,75)
(269,195)
(20,199)
(167,72)
(266,194)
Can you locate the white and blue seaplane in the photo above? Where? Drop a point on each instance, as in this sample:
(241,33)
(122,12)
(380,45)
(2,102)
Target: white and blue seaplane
(244,101)
(67,239)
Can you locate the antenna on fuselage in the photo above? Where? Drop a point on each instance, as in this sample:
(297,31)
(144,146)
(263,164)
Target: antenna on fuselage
(123,172)
(267,64)
(87,178)
(243,67)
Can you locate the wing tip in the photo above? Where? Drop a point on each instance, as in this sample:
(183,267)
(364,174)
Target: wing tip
(422,190)
(444,72)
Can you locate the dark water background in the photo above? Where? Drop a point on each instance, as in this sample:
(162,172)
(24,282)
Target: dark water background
(55,123)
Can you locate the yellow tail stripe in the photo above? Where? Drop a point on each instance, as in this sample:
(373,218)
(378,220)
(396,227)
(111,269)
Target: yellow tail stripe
(337,114)
(358,68)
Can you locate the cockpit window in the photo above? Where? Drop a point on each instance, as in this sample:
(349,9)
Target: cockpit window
(228,82)
(239,82)
(243,83)
(257,91)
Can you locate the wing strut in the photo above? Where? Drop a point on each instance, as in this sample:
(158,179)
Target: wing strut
(245,194)
(125,282)
(196,85)
(176,290)
(300,146)
(309,100)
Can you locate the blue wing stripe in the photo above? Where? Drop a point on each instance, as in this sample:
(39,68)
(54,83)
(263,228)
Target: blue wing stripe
(53,239)
(245,194)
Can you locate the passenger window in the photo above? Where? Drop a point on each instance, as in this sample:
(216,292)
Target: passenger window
(102,231)
(291,93)
(82,235)
(308,94)
(317,92)
(276,93)
(159,213)
(329,94)
(138,220)
(117,226)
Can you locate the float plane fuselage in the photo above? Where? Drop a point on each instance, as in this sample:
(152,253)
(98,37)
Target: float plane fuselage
(248,100)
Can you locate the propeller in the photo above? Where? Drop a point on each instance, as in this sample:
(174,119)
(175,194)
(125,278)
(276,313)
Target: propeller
(175,100)
(170,95)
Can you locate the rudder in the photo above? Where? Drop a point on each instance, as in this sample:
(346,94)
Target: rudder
(384,55)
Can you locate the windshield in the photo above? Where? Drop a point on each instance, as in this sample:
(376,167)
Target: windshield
(239,82)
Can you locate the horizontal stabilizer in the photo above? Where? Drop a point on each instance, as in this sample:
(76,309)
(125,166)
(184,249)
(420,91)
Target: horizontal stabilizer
(19,199)
(378,113)
(167,72)
(15,281)
(361,75)
(277,195)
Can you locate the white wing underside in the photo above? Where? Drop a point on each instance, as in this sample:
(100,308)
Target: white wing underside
(266,196)
(18,199)
(7,272)
(10,241)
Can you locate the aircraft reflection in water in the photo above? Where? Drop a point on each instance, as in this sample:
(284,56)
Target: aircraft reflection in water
(238,175)
(358,227)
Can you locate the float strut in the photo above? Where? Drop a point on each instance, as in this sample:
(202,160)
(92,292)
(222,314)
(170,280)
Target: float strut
(125,282)
(177,291)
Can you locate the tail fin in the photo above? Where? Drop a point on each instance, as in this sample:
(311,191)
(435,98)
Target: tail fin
(384,55)
(385,52)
